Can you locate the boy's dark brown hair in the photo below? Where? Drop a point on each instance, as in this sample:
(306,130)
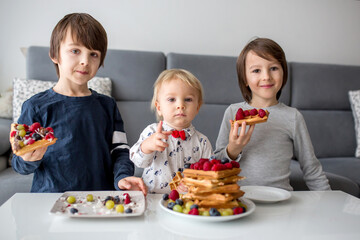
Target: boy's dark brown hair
(264,48)
(84,29)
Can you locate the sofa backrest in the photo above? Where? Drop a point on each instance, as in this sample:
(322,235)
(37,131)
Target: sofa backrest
(320,92)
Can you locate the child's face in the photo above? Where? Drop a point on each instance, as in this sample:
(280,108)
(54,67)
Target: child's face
(264,79)
(178,104)
(77,64)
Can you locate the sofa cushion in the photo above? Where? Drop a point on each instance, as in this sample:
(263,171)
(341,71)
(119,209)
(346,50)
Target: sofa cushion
(133,73)
(13,182)
(354,97)
(322,86)
(4,135)
(332,132)
(344,166)
(336,182)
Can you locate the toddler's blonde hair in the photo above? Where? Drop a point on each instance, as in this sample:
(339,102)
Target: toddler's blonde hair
(180,74)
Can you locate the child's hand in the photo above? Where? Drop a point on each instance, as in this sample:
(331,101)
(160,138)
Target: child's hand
(155,141)
(132,183)
(238,141)
(34,155)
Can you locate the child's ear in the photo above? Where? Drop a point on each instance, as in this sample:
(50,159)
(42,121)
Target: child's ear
(54,60)
(157,106)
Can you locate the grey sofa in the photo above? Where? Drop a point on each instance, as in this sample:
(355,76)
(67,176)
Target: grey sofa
(319,91)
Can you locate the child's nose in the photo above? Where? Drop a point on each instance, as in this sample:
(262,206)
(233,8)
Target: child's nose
(84,61)
(266,75)
(182,107)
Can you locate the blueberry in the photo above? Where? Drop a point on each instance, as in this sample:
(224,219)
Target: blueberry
(179,202)
(73,210)
(171,205)
(108,198)
(36,136)
(165,196)
(117,199)
(194,206)
(214,212)
(224,160)
(212,157)
(128,210)
(187,165)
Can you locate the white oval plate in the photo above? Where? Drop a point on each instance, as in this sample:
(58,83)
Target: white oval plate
(250,209)
(263,194)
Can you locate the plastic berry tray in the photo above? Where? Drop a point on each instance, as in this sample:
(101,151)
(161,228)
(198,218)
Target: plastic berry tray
(250,209)
(96,208)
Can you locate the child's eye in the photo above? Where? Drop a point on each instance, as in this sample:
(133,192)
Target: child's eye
(94,54)
(171,99)
(75,51)
(188,99)
(256,70)
(274,68)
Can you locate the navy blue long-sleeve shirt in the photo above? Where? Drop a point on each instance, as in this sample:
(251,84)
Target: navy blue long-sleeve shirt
(91,152)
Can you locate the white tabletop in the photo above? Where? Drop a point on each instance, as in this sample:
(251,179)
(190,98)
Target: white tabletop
(306,215)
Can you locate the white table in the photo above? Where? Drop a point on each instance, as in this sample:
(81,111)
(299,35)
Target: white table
(306,215)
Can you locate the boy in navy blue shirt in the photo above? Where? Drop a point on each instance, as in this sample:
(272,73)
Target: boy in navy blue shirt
(92,151)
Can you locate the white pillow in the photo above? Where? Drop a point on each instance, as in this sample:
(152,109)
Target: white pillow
(355,106)
(26,88)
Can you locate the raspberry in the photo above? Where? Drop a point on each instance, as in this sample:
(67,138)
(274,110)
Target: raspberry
(217,167)
(127,198)
(13,133)
(31,141)
(26,127)
(34,126)
(228,165)
(239,114)
(238,210)
(197,166)
(49,129)
(235,164)
(215,161)
(49,136)
(262,113)
(174,195)
(203,160)
(246,113)
(192,166)
(253,112)
(194,211)
(207,166)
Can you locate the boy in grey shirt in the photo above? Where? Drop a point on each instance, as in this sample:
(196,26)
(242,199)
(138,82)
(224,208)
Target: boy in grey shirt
(265,151)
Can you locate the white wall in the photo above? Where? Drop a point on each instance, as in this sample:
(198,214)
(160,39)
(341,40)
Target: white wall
(321,31)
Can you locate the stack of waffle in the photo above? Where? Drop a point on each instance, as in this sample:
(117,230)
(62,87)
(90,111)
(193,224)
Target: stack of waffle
(213,189)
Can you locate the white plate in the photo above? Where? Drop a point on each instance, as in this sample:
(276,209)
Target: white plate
(263,194)
(250,209)
(96,209)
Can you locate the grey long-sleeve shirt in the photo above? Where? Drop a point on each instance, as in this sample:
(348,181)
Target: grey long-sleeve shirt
(265,160)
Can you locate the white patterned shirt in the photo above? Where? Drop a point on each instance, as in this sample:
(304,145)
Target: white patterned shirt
(161,167)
